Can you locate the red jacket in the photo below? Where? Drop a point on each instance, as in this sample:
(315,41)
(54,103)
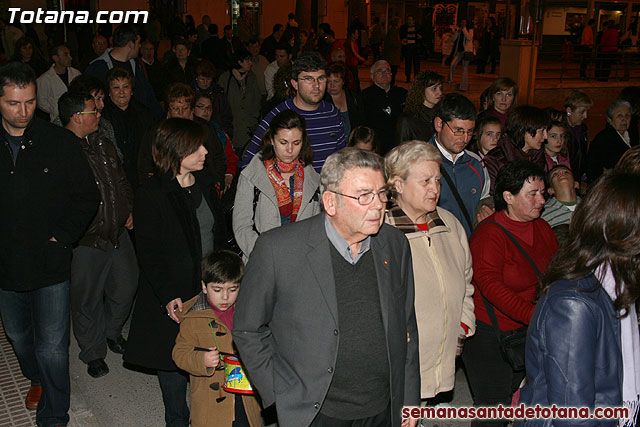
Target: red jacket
(501,272)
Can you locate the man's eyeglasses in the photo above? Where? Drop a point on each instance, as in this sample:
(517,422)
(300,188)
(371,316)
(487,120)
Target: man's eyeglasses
(204,107)
(88,112)
(459,131)
(311,80)
(367,198)
(383,71)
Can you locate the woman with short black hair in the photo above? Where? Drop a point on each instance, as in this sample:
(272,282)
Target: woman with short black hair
(508,250)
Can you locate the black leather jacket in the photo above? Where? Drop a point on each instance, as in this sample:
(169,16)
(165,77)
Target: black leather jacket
(573,353)
(115,192)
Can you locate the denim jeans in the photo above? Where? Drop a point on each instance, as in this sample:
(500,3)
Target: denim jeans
(173,385)
(37,325)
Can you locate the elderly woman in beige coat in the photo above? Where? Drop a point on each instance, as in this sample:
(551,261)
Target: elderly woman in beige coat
(279,185)
(441,263)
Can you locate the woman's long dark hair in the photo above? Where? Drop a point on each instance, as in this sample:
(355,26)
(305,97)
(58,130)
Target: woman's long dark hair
(604,231)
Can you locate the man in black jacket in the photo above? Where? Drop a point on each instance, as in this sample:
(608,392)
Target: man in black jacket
(48,196)
(104,271)
(383,104)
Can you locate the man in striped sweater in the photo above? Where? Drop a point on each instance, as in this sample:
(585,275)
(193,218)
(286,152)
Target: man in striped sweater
(324,124)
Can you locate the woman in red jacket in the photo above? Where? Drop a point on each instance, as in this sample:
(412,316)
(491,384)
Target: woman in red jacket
(504,277)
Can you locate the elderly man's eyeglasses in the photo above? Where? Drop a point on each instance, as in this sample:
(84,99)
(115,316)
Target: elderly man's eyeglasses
(383,71)
(460,131)
(367,198)
(88,112)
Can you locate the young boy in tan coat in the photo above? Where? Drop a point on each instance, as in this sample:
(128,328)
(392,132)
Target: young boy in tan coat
(205,333)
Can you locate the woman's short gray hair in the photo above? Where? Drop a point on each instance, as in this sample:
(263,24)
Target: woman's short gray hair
(399,161)
(615,105)
(341,161)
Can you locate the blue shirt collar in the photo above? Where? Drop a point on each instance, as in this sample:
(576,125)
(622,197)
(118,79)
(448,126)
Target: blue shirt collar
(342,246)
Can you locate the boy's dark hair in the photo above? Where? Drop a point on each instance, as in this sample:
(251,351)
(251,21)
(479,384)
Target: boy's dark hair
(222,267)
(547,177)
(455,106)
(124,34)
(16,74)
(70,103)
(512,177)
(213,29)
(276,28)
(87,83)
(308,61)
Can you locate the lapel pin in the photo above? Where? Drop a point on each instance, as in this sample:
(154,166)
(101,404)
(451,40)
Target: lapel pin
(386,262)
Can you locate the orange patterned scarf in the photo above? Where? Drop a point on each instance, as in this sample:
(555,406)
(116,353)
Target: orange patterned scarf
(287,207)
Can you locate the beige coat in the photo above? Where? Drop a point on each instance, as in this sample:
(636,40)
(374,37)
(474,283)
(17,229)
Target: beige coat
(195,332)
(444,298)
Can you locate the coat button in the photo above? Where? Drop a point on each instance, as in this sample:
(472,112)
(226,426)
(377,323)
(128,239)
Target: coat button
(335,332)
(316,405)
(11,173)
(330,370)
(46,170)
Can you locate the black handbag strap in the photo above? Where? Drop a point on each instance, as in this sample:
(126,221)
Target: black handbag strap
(454,190)
(518,245)
(490,310)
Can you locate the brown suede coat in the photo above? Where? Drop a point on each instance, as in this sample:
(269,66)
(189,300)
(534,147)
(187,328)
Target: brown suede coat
(195,332)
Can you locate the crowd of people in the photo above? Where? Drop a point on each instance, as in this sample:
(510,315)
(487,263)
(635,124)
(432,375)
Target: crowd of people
(347,245)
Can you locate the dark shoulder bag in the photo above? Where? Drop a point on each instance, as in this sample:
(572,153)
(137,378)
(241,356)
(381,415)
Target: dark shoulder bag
(511,343)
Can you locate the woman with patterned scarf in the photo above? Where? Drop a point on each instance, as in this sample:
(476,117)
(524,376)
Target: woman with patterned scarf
(441,264)
(279,186)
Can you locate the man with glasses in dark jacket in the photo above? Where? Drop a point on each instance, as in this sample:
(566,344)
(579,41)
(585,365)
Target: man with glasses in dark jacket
(104,269)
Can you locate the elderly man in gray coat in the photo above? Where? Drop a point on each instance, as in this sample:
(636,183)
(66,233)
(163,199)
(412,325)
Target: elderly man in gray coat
(324,321)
